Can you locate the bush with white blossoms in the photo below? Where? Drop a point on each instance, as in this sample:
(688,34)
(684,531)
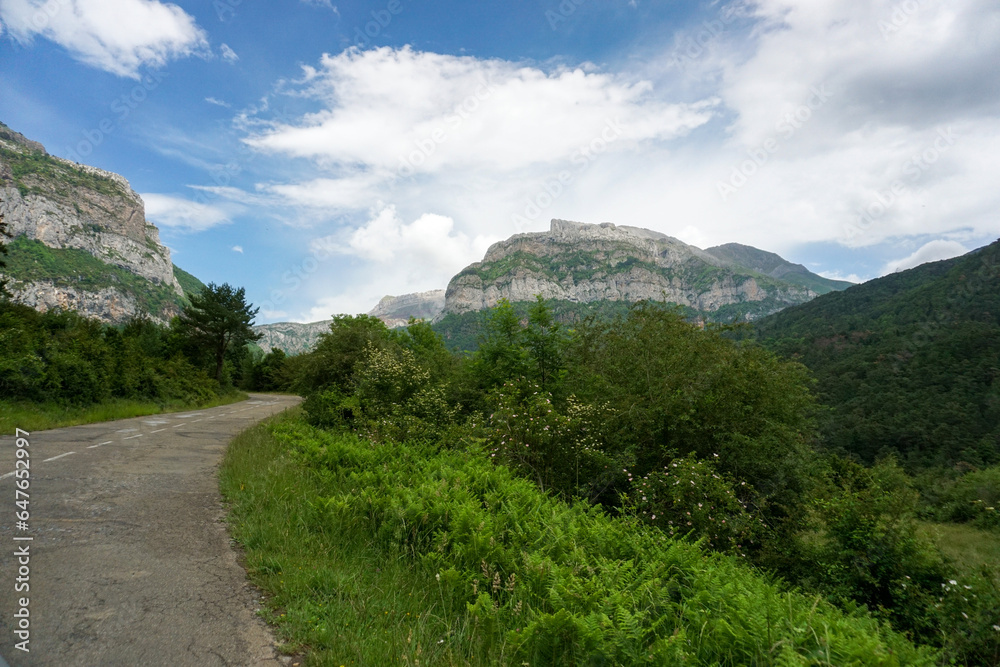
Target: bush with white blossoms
(690,497)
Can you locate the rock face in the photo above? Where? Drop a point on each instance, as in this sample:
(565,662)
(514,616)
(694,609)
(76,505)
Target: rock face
(581,262)
(291,337)
(64,205)
(396,311)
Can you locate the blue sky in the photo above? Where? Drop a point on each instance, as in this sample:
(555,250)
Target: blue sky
(324,154)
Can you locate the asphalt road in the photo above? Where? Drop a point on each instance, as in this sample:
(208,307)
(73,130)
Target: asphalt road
(129,561)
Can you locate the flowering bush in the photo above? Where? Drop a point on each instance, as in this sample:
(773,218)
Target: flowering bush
(561,452)
(689,496)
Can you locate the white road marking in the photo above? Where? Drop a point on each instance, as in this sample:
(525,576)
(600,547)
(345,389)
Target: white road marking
(58,457)
(132,437)
(99,444)
(127,430)
(158,430)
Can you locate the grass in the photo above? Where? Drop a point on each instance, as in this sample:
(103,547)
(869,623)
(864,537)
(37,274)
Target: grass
(401,554)
(967,547)
(336,594)
(44,416)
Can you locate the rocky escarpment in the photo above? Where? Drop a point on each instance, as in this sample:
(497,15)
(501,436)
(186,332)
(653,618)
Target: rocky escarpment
(71,207)
(581,262)
(396,311)
(291,337)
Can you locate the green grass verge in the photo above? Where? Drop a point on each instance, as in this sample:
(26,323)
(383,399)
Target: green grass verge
(43,416)
(967,547)
(402,554)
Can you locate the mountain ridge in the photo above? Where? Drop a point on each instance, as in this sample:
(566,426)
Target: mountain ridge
(582,262)
(61,215)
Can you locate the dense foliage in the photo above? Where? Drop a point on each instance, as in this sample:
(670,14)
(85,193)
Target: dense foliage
(680,427)
(65,358)
(909,364)
(489,570)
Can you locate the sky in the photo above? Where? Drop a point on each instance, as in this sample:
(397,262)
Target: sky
(325,154)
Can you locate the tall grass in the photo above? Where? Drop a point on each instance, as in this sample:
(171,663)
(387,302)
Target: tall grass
(43,416)
(400,554)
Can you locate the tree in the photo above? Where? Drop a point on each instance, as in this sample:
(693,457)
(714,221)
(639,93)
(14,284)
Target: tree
(217,319)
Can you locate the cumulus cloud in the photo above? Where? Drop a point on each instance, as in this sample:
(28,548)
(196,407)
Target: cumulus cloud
(402,112)
(217,102)
(933,251)
(183,214)
(861,123)
(119,36)
(238,248)
(419,255)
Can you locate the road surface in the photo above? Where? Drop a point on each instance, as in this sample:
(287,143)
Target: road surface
(129,561)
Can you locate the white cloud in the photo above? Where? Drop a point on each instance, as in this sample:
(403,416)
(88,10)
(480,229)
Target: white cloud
(119,36)
(217,102)
(396,257)
(403,111)
(238,248)
(826,130)
(228,54)
(171,211)
(929,252)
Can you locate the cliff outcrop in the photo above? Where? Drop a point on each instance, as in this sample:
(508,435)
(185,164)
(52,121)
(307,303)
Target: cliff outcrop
(66,207)
(581,262)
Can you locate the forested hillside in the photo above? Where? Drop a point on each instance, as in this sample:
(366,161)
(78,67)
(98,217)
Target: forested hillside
(907,364)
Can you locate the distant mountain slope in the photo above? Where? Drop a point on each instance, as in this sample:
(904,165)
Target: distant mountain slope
(775,266)
(291,337)
(582,263)
(80,239)
(909,363)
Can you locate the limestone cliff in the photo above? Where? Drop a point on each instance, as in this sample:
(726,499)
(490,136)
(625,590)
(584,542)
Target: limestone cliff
(579,262)
(396,311)
(58,212)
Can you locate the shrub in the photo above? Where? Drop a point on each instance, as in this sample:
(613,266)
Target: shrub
(689,497)
(561,452)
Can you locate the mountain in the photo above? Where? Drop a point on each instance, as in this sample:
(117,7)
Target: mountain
(395,311)
(583,263)
(775,266)
(291,337)
(80,239)
(908,364)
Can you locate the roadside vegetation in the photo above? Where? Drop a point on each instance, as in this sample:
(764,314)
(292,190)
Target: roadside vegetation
(630,487)
(61,369)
